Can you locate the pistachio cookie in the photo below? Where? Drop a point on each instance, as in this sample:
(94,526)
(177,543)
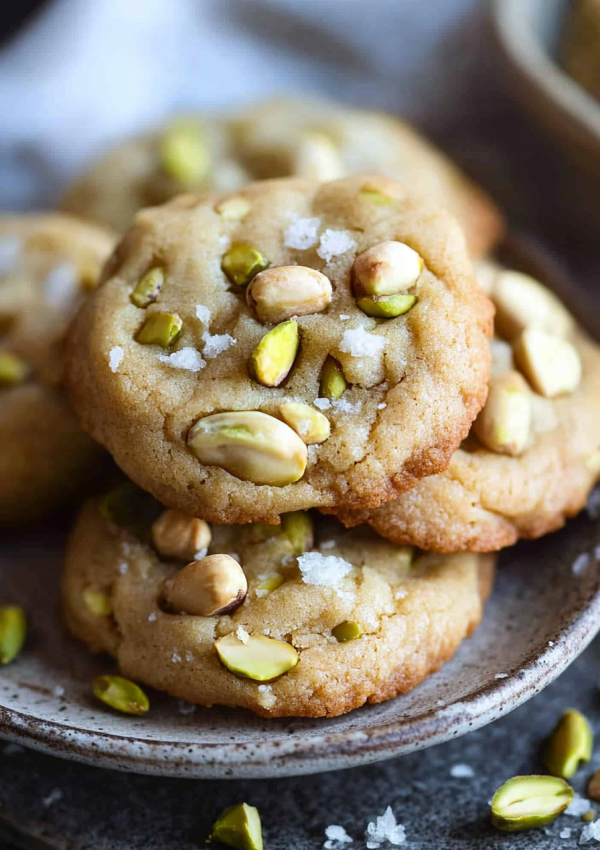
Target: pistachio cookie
(534,451)
(278,138)
(265,618)
(46,263)
(581,45)
(295,345)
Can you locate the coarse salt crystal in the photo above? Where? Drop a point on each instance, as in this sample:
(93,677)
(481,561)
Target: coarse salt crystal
(462,771)
(581,563)
(381,406)
(189,656)
(242,634)
(11,249)
(323,570)
(61,285)
(302,233)
(342,405)
(590,832)
(152,617)
(203,314)
(336,835)
(123,568)
(115,358)
(260,592)
(327,544)
(343,317)
(578,806)
(58,691)
(501,676)
(565,833)
(385,829)
(550,643)
(359,343)
(266,697)
(184,707)
(400,594)
(215,344)
(53,797)
(322,403)
(176,657)
(186,358)
(333,243)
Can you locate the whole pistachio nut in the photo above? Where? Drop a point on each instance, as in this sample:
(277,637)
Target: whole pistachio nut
(593,787)
(521,302)
(317,158)
(260,658)
(270,584)
(551,364)
(298,528)
(97,601)
(250,445)
(148,287)
(570,744)
(373,195)
(183,152)
(308,423)
(272,359)
(241,263)
(504,424)
(13,370)
(13,630)
(209,587)
(528,802)
(386,269)
(234,209)
(386,306)
(121,694)
(238,826)
(282,292)
(160,329)
(346,631)
(332,382)
(177,535)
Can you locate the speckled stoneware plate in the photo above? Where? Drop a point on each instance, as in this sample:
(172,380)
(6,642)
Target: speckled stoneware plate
(539,619)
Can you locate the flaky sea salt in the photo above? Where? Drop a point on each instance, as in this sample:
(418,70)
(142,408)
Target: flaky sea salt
(462,771)
(261,592)
(400,594)
(11,249)
(203,314)
(189,656)
(385,829)
(336,836)
(266,697)
(581,563)
(333,243)
(359,343)
(115,358)
(53,797)
(61,285)
(176,657)
(565,833)
(590,832)
(342,405)
(58,691)
(302,233)
(382,405)
(343,317)
(184,707)
(323,570)
(322,403)
(186,358)
(242,634)
(152,617)
(215,344)
(578,806)
(123,568)
(501,676)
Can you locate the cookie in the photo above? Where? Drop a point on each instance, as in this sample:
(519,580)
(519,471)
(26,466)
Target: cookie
(310,630)
(279,138)
(534,452)
(581,45)
(235,363)
(46,263)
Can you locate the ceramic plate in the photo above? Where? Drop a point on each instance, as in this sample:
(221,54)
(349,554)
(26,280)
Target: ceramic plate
(539,619)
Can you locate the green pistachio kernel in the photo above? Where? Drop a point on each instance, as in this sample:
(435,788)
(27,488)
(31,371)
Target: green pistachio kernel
(274,356)
(13,370)
(588,816)
(259,657)
(148,287)
(130,507)
(298,528)
(183,152)
(243,262)
(160,329)
(570,744)
(386,307)
(261,531)
(346,631)
(375,196)
(121,694)
(13,629)
(97,601)
(238,826)
(333,383)
(269,585)
(528,802)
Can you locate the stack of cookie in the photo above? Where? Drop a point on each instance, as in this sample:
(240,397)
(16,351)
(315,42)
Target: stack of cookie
(273,362)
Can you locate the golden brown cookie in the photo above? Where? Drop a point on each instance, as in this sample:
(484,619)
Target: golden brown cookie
(581,45)
(533,455)
(46,263)
(277,138)
(205,377)
(321,631)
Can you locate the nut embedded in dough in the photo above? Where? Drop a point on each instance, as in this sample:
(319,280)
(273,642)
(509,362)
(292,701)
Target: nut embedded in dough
(551,364)
(176,535)
(504,424)
(212,586)
(280,293)
(386,269)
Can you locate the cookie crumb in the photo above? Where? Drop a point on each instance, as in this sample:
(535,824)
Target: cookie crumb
(383,829)
(302,233)
(462,771)
(115,358)
(336,835)
(242,634)
(266,697)
(323,570)
(215,344)
(359,343)
(203,314)
(186,358)
(333,243)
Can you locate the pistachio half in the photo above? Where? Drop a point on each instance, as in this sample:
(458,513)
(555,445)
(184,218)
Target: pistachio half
(121,694)
(177,535)
(528,802)
(13,629)
(386,306)
(250,445)
(386,269)
(278,294)
(298,528)
(504,423)
(274,356)
(209,587)
(148,287)
(183,152)
(521,302)
(270,584)
(374,195)
(551,364)
(97,601)
(346,631)
(13,370)
(308,423)
(238,826)
(570,744)
(234,209)
(260,658)
(242,262)
(160,329)
(332,382)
